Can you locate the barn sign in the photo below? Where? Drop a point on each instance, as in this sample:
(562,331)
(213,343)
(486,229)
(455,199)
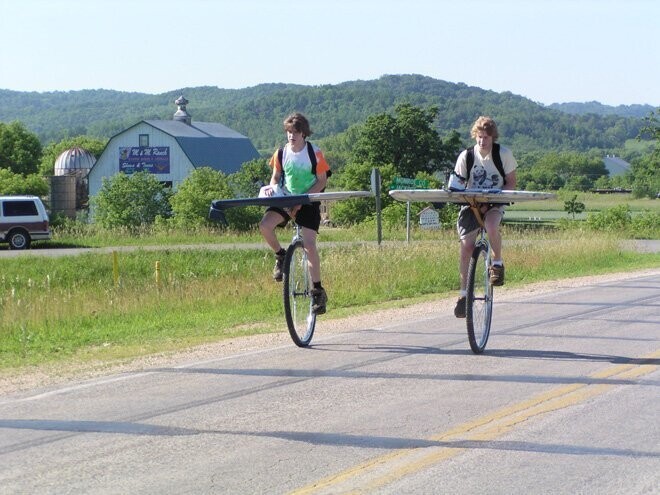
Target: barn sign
(152,159)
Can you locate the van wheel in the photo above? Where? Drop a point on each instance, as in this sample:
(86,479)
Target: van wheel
(19,239)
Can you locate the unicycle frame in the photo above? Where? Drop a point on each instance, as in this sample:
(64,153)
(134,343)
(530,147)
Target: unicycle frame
(297,292)
(479,298)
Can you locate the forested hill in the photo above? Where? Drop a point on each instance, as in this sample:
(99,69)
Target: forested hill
(594,107)
(257,112)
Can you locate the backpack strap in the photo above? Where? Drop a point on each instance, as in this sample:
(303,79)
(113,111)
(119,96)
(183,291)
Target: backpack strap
(280,157)
(497,159)
(312,159)
(469,160)
(498,162)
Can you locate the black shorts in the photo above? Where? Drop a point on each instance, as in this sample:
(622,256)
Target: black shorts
(308,216)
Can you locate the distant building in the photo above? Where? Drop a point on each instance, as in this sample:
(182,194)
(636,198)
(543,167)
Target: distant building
(616,165)
(68,187)
(172,149)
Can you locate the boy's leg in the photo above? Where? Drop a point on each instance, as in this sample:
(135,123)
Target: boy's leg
(467,227)
(492,222)
(467,246)
(319,296)
(309,240)
(267,226)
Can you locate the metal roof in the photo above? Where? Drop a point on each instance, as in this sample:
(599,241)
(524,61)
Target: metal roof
(615,165)
(209,144)
(74,161)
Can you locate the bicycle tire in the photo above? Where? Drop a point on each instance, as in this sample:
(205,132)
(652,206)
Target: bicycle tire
(479,300)
(297,292)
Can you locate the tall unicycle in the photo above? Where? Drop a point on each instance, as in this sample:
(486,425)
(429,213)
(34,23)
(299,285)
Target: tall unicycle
(479,300)
(298,285)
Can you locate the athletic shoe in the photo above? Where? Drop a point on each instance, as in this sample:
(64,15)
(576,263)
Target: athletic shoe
(319,300)
(496,273)
(277,271)
(459,310)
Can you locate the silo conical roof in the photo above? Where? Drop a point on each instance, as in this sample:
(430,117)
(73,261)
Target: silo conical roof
(74,161)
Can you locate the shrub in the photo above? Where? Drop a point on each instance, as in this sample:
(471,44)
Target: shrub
(131,201)
(646,225)
(14,183)
(616,218)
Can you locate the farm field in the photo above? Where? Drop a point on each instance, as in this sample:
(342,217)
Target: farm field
(550,210)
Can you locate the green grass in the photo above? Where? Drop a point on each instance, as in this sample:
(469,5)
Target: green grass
(592,202)
(77,308)
(550,211)
(547,210)
(73,308)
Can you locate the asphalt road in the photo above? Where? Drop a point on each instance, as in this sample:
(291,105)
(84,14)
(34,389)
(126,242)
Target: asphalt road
(565,400)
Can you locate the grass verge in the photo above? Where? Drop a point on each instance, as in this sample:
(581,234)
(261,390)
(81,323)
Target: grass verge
(74,308)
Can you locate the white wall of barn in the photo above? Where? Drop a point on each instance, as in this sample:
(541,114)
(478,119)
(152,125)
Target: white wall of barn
(108,163)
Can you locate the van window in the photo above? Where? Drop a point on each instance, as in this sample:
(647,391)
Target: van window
(19,208)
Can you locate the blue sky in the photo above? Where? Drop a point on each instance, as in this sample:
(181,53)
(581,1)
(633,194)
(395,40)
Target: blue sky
(547,50)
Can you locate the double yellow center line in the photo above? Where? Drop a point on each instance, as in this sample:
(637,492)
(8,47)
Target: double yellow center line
(391,467)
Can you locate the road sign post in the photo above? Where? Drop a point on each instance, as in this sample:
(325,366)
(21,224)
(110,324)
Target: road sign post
(375,188)
(405,183)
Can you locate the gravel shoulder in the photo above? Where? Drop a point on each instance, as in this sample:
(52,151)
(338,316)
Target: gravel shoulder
(48,376)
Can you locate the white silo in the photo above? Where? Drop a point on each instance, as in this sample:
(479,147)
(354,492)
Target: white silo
(68,187)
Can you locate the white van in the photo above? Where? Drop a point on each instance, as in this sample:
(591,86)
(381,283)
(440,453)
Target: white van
(22,220)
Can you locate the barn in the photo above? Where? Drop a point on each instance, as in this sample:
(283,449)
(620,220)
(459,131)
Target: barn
(172,149)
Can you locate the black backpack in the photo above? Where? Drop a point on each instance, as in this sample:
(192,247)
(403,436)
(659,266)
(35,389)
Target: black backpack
(469,158)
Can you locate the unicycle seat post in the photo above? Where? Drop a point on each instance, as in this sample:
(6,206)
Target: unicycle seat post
(296,234)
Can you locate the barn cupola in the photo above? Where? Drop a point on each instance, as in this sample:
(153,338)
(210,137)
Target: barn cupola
(181,114)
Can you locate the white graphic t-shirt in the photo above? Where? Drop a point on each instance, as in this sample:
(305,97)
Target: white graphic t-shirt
(484,173)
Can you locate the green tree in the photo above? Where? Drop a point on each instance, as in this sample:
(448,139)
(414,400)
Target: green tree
(452,145)
(652,129)
(603,183)
(131,201)
(338,148)
(53,150)
(357,177)
(20,150)
(192,200)
(537,178)
(12,184)
(579,183)
(407,139)
(644,176)
(573,206)
(551,171)
(644,171)
(245,183)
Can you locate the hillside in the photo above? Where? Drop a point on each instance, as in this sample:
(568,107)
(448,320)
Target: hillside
(593,107)
(258,111)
